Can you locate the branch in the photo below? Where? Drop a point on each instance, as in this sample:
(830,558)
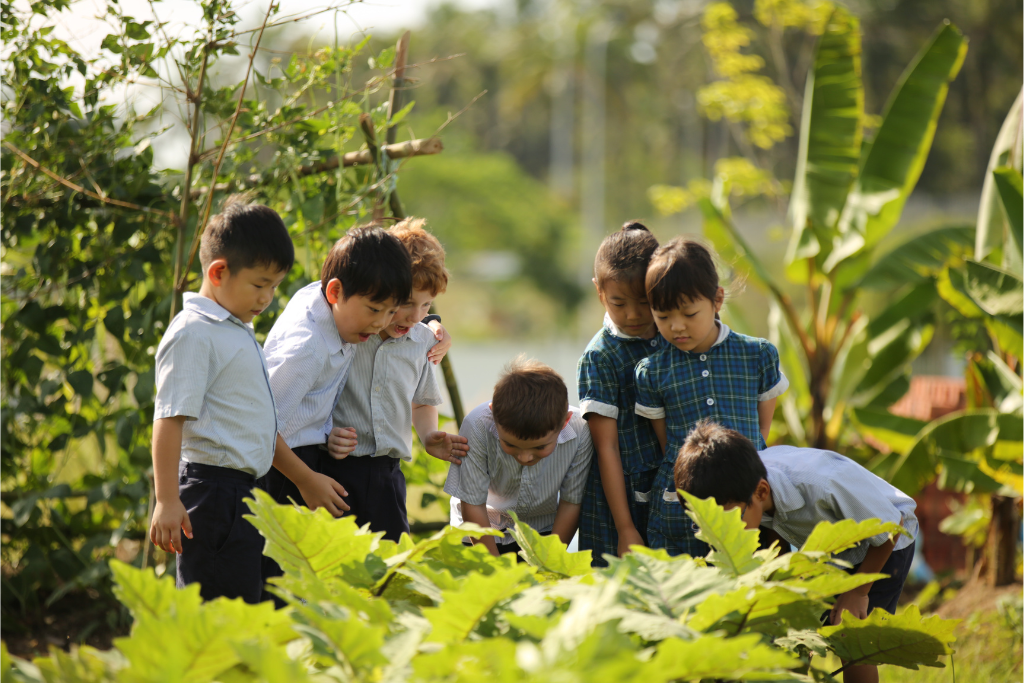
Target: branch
(78,188)
(459,113)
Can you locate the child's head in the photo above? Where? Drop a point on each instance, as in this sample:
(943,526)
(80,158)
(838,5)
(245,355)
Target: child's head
(245,254)
(685,297)
(720,463)
(366,276)
(619,270)
(530,406)
(429,276)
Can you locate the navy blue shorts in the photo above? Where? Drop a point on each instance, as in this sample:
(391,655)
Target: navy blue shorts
(885,593)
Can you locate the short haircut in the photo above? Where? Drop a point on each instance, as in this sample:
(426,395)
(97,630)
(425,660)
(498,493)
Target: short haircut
(720,463)
(530,399)
(427,254)
(369,261)
(246,235)
(683,268)
(624,256)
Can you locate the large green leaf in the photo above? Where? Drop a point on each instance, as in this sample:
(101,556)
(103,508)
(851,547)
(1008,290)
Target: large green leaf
(548,552)
(992,229)
(733,545)
(833,538)
(906,639)
(1010,185)
(831,132)
(898,433)
(890,356)
(740,658)
(145,595)
(892,163)
(995,291)
(462,609)
(770,609)
(665,587)
(918,258)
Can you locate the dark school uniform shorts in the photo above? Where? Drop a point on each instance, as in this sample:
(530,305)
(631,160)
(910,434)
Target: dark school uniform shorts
(885,593)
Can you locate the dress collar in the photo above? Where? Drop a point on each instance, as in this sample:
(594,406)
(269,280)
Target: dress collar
(616,332)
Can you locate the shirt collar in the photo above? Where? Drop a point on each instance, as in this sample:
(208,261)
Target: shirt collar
(616,332)
(723,332)
(207,307)
(567,433)
(786,497)
(319,311)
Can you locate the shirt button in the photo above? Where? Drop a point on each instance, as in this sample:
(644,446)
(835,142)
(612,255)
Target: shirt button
(711,401)
(703,357)
(705,373)
(654,342)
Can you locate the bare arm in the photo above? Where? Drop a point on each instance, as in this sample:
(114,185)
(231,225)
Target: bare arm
(169,515)
(567,519)
(659,431)
(441,445)
(605,433)
(856,601)
(765,411)
(478,515)
(318,490)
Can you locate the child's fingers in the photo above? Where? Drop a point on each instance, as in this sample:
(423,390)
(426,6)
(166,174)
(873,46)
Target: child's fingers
(340,491)
(454,459)
(459,439)
(186,526)
(176,540)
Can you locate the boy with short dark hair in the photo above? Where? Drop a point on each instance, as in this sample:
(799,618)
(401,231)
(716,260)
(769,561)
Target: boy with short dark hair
(529,451)
(791,490)
(215,428)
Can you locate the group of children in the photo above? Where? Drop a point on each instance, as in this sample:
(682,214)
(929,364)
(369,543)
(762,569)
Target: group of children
(322,415)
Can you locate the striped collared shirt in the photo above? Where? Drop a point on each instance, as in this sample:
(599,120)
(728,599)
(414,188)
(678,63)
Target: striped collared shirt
(211,369)
(308,362)
(386,378)
(811,486)
(492,476)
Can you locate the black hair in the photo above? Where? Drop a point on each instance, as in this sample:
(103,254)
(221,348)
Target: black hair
(720,463)
(369,261)
(683,268)
(624,255)
(247,235)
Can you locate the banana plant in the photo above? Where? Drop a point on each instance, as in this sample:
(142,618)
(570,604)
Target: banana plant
(848,195)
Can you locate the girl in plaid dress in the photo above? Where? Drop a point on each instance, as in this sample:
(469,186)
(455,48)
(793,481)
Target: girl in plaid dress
(705,370)
(613,515)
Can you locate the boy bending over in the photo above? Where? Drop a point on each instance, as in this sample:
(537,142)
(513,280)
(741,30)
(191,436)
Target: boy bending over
(790,490)
(529,451)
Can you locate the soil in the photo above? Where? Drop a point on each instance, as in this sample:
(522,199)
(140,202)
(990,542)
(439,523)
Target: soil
(78,619)
(974,597)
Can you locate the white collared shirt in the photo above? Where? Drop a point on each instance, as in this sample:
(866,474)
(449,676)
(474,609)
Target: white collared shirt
(490,475)
(211,369)
(811,486)
(387,376)
(308,363)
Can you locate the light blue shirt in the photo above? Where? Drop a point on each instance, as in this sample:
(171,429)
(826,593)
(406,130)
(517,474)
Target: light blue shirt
(386,377)
(211,369)
(308,363)
(811,486)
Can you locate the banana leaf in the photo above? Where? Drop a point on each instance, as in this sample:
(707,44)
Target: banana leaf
(991,228)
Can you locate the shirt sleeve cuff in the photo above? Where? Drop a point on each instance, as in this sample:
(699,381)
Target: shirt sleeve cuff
(599,408)
(778,390)
(162,411)
(650,413)
(452,488)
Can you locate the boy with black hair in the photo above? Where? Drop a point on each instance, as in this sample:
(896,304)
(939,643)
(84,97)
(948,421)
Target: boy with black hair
(215,429)
(529,451)
(791,490)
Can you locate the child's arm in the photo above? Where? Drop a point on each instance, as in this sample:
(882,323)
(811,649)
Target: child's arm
(441,445)
(605,433)
(660,432)
(765,411)
(478,515)
(169,515)
(318,490)
(567,519)
(444,342)
(856,601)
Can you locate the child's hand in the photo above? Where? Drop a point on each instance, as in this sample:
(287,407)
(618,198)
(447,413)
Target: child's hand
(444,342)
(169,519)
(322,491)
(448,447)
(851,601)
(630,537)
(341,442)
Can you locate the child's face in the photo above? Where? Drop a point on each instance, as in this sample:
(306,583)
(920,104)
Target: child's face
(691,326)
(759,505)
(528,452)
(248,292)
(627,307)
(358,317)
(410,313)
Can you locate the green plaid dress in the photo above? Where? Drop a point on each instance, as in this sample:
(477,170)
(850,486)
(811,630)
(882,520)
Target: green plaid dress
(605,377)
(725,383)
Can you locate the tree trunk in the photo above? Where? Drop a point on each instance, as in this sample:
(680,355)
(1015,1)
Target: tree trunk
(1002,542)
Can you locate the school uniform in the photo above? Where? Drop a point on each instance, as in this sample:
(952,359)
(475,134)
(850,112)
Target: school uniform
(211,369)
(725,384)
(606,380)
(811,486)
(488,475)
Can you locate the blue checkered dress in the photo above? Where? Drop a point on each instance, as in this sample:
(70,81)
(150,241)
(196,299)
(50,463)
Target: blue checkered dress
(725,384)
(605,376)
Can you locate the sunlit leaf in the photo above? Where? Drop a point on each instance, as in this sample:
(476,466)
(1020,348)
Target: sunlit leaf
(906,639)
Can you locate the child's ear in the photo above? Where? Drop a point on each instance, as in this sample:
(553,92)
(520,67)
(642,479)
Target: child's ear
(216,271)
(333,291)
(568,416)
(719,299)
(763,492)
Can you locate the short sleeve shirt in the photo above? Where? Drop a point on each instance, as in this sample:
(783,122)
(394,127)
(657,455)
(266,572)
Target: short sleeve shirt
(724,384)
(606,379)
(811,486)
(211,370)
(308,363)
(488,475)
(385,379)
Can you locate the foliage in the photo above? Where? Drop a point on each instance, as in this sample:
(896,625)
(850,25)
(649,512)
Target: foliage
(439,610)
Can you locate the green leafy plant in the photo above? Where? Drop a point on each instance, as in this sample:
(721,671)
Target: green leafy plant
(363,608)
